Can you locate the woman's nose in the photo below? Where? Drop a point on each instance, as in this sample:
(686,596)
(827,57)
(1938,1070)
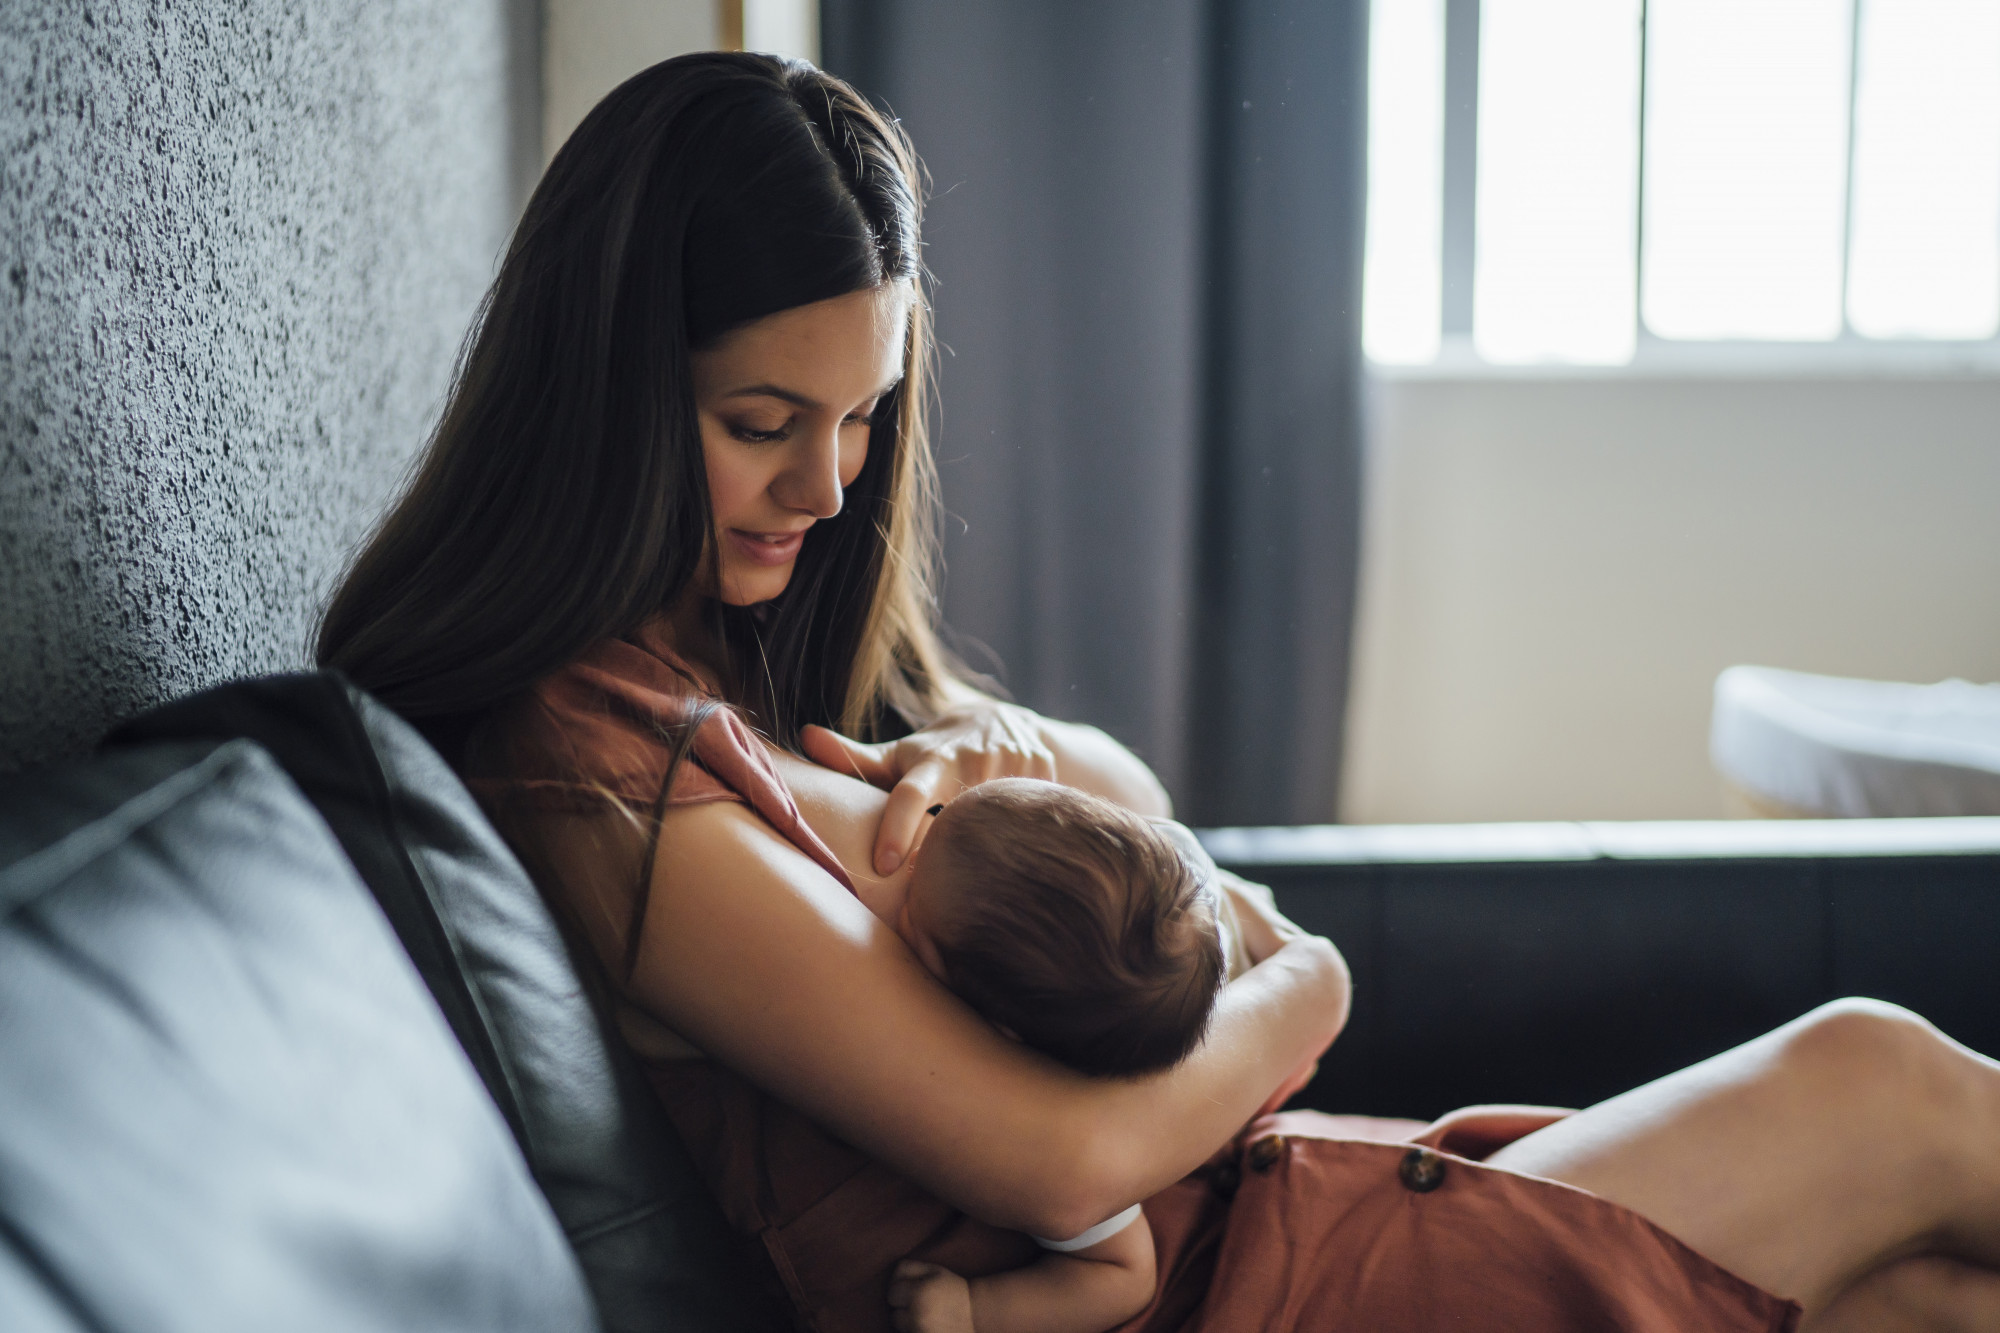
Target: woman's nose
(810,483)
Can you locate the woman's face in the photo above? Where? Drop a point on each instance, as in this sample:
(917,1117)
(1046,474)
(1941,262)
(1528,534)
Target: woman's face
(784,405)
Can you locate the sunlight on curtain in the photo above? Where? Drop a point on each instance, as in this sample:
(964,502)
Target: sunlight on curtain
(1555,267)
(1925,260)
(1401,275)
(1746,167)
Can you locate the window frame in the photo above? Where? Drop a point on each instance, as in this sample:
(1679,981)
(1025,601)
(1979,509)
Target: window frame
(1848,354)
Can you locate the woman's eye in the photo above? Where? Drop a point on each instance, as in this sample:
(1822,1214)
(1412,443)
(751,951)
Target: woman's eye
(750,435)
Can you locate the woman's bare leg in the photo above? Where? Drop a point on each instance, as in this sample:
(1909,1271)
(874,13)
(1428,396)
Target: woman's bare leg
(1927,1294)
(1846,1141)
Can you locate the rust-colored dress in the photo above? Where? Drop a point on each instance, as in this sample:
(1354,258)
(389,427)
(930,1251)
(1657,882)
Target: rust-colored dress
(1305,1222)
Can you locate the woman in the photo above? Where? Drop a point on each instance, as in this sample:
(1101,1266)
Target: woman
(684,467)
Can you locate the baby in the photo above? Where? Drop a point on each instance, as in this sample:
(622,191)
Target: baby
(1097,937)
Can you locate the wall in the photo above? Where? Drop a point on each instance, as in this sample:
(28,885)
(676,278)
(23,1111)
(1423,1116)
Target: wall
(241,244)
(1556,568)
(592,46)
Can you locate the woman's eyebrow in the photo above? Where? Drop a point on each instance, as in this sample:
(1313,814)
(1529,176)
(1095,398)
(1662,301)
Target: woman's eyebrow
(773,391)
(797,399)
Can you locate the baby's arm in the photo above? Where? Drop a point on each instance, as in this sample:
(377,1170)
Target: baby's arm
(1083,1291)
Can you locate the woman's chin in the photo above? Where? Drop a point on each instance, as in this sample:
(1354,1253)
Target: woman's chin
(752,587)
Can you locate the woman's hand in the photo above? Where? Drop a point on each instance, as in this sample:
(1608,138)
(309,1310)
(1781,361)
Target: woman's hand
(978,740)
(971,744)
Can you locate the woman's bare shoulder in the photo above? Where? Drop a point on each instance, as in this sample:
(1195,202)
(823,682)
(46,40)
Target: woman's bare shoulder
(844,811)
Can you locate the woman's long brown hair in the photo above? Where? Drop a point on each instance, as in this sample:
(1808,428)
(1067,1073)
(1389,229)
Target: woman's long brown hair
(563,499)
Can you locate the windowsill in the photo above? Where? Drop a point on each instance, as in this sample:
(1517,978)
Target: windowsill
(1660,359)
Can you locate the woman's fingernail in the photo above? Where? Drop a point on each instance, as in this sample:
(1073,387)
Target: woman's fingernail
(886,863)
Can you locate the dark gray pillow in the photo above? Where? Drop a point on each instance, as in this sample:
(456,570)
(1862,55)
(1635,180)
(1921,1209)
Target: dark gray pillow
(228,1103)
(654,1246)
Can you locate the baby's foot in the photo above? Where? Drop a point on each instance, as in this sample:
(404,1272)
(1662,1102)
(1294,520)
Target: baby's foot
(924,1298)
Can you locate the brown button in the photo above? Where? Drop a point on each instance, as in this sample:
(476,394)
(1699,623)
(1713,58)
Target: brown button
(1226,1179)
(1266,1152)
(1422,1170)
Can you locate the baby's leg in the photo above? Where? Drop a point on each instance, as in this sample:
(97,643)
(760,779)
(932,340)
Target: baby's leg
(1087,1290)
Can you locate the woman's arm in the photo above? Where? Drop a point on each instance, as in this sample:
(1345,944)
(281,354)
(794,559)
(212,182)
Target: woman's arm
(1091,761)
(758,957)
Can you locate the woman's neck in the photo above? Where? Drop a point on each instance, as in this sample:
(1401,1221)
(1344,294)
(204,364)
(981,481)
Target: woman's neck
(689,629)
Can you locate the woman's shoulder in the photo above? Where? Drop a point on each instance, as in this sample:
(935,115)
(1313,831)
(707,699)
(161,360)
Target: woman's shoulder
(605,724)
(629,722)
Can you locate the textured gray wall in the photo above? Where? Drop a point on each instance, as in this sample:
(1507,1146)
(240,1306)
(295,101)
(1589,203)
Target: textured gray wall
(241,244)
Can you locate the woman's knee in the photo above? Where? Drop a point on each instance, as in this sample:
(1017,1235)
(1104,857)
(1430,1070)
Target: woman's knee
(1854,1047)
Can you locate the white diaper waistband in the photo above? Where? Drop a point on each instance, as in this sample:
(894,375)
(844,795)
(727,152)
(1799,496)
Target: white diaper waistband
(1104,1230)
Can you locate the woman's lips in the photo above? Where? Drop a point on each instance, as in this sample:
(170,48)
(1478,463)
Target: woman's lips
(772,548)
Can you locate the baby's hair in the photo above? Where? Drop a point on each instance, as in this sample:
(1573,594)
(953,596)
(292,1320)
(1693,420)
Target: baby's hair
(1075,925)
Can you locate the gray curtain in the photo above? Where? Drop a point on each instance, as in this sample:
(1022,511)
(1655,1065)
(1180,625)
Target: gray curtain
(1145,229)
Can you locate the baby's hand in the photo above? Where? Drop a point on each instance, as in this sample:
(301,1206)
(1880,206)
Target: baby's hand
(1265,929)
(924,1298)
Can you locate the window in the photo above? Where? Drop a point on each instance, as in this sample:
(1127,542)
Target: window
(1604,181)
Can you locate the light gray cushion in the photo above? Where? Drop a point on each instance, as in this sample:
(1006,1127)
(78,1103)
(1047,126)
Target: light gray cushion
(228,1101)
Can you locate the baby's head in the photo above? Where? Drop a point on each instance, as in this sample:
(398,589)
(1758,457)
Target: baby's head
(1070,923)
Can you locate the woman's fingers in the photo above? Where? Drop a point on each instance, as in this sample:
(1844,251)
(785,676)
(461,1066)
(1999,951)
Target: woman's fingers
(928,782)
(903,1290)
(959,750)
(1022,753)
(829,749)
(1045,764)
